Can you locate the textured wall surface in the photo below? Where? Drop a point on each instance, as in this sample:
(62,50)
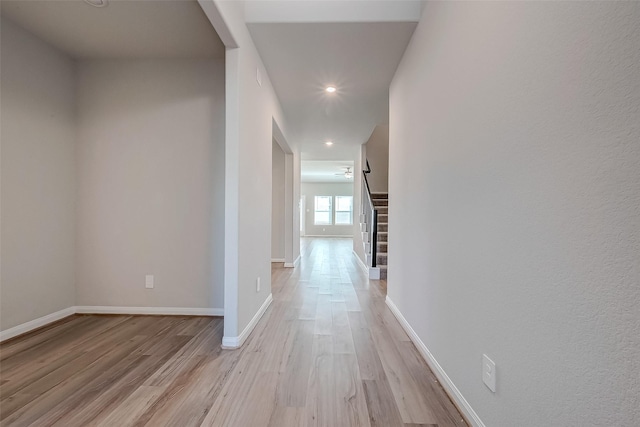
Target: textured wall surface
(378,156)
(150,186)
(250,112)
(515,205)
(277,202)
(313,189)
(38,178)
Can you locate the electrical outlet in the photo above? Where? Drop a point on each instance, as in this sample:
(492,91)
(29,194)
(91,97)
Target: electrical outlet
(258,284)
(489,373)
(148,281)
(258,76)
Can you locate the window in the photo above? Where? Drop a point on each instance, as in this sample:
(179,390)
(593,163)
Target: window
(322,214)
(344,210)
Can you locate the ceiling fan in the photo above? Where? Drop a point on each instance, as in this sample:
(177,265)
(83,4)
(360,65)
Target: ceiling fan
(347,174)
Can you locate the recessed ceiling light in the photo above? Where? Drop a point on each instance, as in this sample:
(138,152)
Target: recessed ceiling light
(97,3)
(330,89)
(329,143)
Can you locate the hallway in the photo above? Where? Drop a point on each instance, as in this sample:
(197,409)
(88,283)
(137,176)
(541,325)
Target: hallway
(337,355)
(328,352)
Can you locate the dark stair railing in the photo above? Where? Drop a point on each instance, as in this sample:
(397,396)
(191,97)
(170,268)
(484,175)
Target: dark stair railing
(370,214)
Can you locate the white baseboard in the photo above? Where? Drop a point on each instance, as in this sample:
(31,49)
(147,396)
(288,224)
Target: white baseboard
(371,272)
(36,323)
(442,376)
(362,265)
(292,264)
(345,236)
(277,259)
(53,317)
(167,311)
(231,343)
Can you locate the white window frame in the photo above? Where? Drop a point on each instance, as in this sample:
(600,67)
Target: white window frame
(336,211)
(315,211)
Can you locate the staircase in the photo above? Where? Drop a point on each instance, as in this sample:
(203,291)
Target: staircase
(381,204)
(374,225)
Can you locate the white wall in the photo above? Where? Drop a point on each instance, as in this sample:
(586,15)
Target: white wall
(251,109)
(358,166)
(515,205)
(150,182)
(295,214)
(377,149)
(38,178)
(313,189)
(290,198)
(277,203)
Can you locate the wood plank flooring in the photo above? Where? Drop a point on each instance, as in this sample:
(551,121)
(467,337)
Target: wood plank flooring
(328,352)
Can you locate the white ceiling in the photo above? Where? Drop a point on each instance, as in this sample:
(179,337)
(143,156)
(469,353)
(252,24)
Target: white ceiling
(281,11)
(325,170)
(302,58)
(123,29)
(360,59)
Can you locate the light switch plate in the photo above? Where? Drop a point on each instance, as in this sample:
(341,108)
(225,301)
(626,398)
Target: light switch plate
(148,281)
(489,373)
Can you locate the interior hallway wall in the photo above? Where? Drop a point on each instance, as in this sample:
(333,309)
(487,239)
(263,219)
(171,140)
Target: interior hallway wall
(277,203)
(377,152)
(358,166)
(251,109)
(515,205)
(313,189)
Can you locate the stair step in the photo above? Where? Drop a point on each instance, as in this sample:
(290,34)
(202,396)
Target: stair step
(381,204)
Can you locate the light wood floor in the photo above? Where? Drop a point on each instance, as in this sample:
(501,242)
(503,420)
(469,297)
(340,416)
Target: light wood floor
(328,352)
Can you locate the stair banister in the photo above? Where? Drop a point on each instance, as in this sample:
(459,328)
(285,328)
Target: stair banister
(370,214)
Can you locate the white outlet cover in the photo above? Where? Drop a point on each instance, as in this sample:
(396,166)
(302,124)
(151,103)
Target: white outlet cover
(489,373)
(258,284)
(148,281)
